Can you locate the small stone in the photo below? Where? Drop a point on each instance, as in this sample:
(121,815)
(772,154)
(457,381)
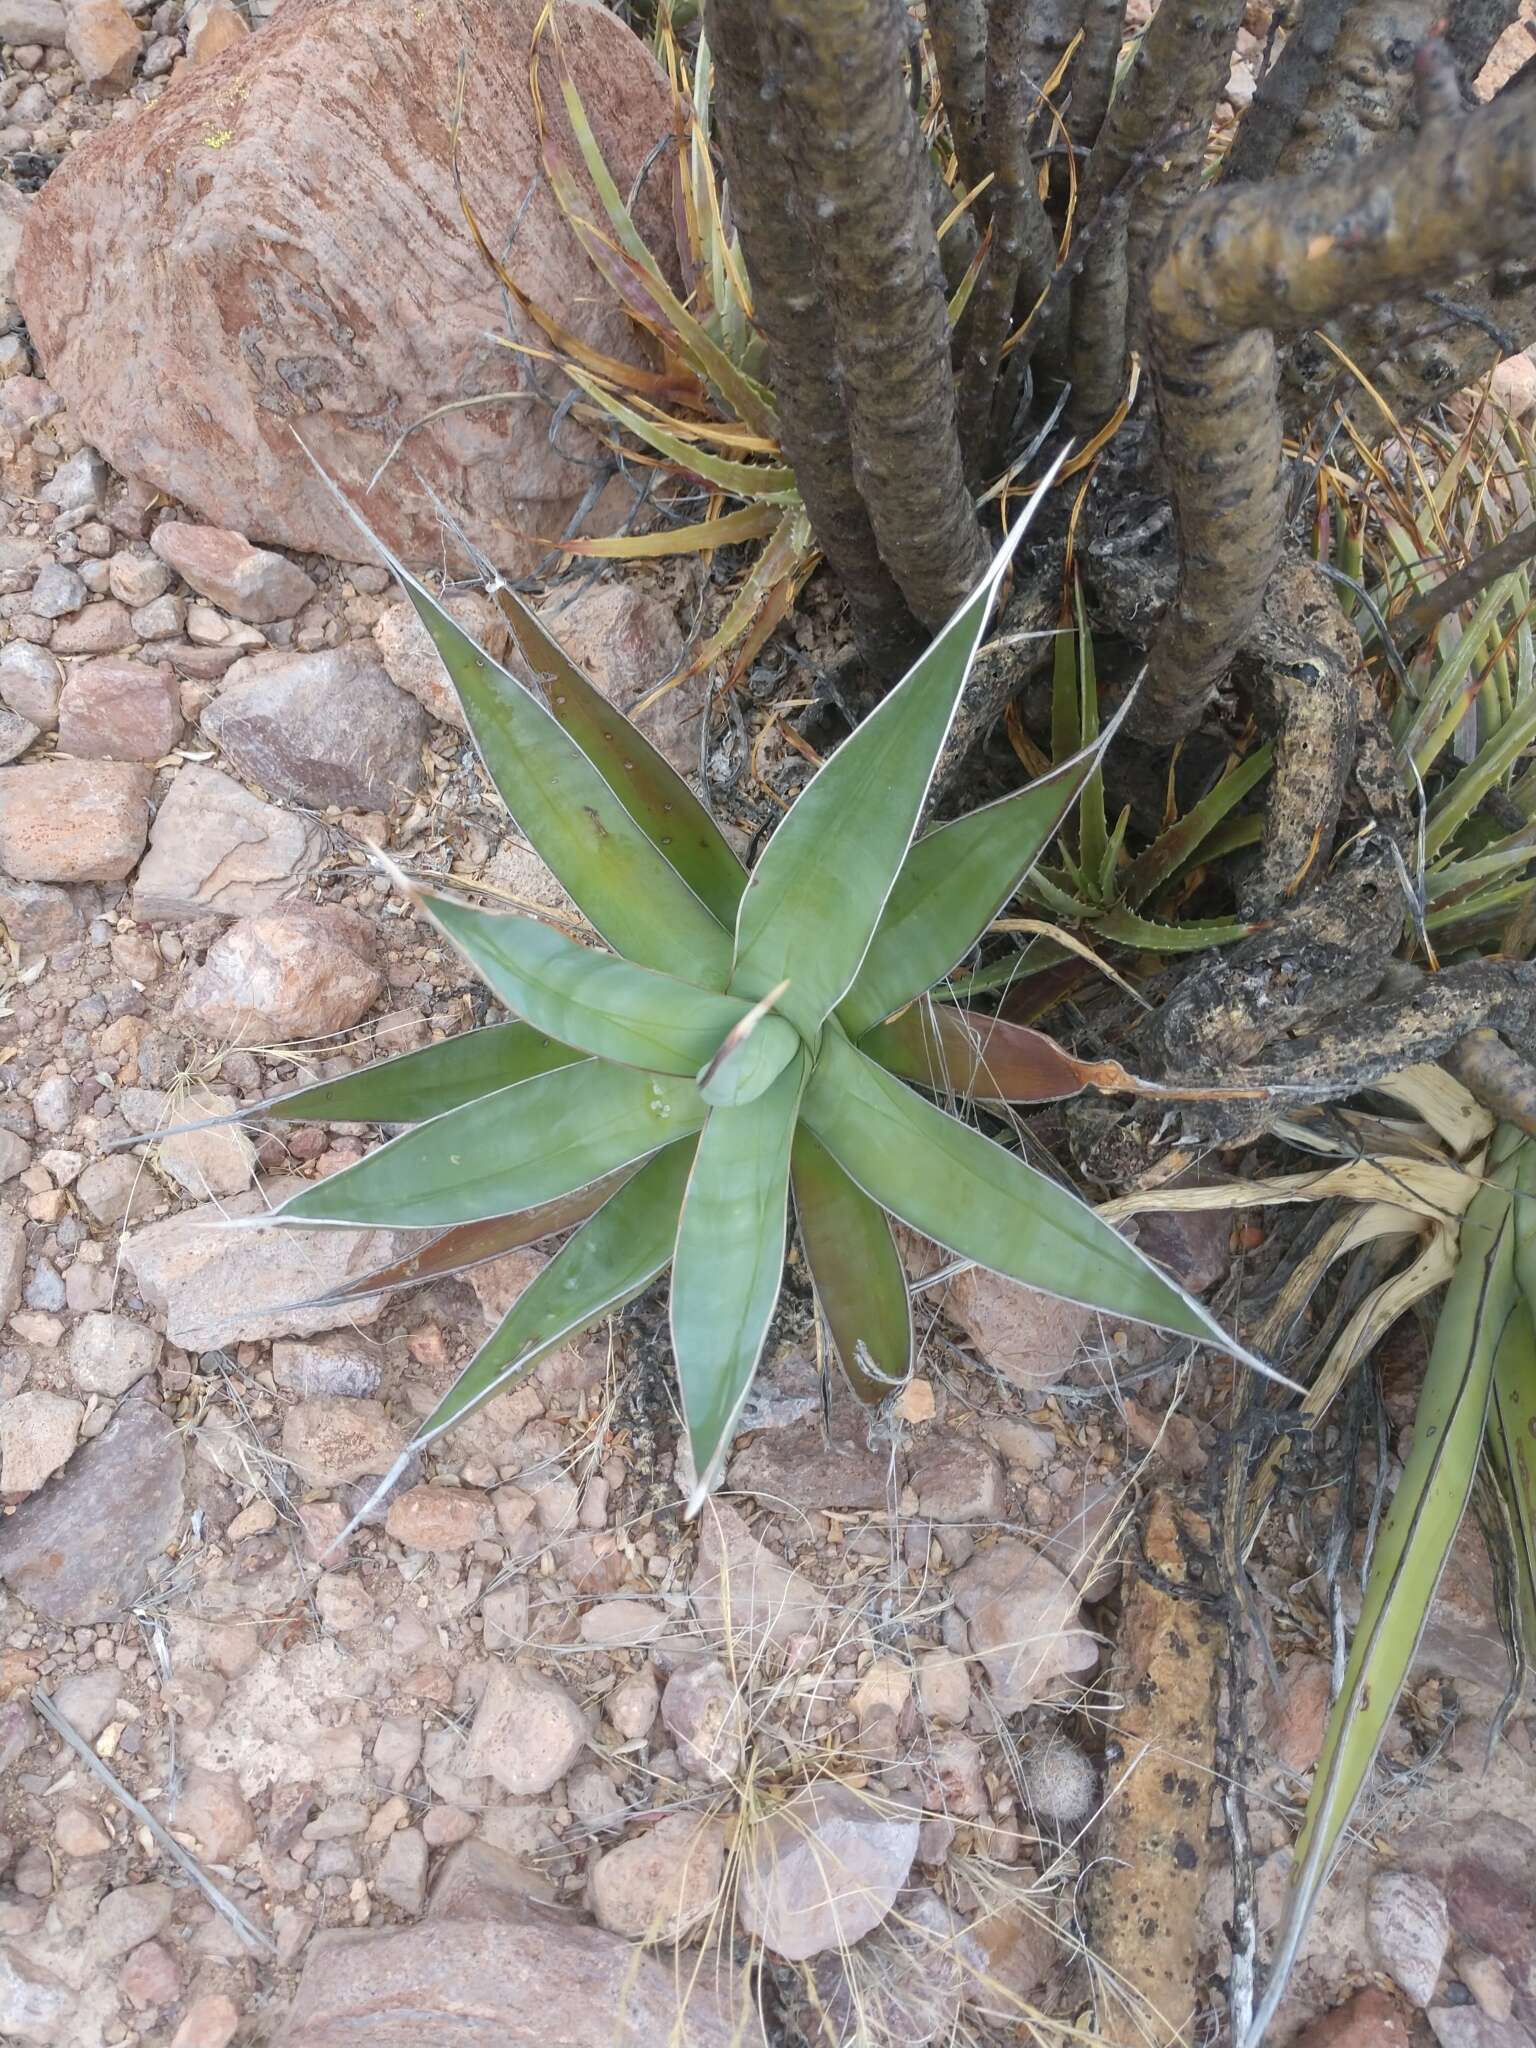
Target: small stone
(132,1914)
(1410,1931)
(327,728)
(527,1733)
(83,1550)
(1368,2020)
(440,1518)
(1022,1616)
(37,1433)
(149,1979)
(346,1367)
(1007,1955)
(216,847)
(660,1885)
(32,21)
(621,1624)
(799,1463)
(302,972)
(80,1834)
(330,1441)
(957,1479)
(212,1809)
(402,1873)
(443,1826)
(944,1687)
(103,628)
(211,2021)
(250,583)
(213,26)
(1029,1338)
(1484,1977)
(101,37)
(30,682)
(702,1711)
(136,577)
(823,1871)
(73,821)
(108,1354)
(397,1751)
(1298,1716)
(116,1190)
(15,1157)
(39,915)
(13,1264)
(220,1161)
(342,1602)
(88,1701)
(411,661)
(195,1697)
(632,1705)
(741,1592)
(1467,2026)
(120,711)
(161,619)
(57,592)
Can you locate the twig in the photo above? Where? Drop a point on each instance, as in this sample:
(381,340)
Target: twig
(1426,611)
(249,1933)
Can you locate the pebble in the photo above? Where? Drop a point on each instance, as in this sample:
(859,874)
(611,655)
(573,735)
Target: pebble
(116,1189)
(120,711)
(527,1732)
(1410,1931)
(101,37)
(73,821)
(34,2005)
(57,592)
(251,583)
(32,21)
(412,662)
(346,1367)
(38,1431)
(137,577)
(132,1914)
(1029,1338)
(30,683)
(83,1550)
(80,1834)
(397,1750)
(633,1704)
(742,1592)
(440,1518)
(660,1885)
(943,1687)
(213,1809)
(1368,2020)
(88,1701)
(302,972)
(402,1873)
(13,1264)
(823,1871)
(1021,1614)
(215,846)
(329,1440)
(210,2022)
(701,1709)
(326,728)
(108,1354)
(150,1979)
(956,1479)
(102,628)
(1467,2026)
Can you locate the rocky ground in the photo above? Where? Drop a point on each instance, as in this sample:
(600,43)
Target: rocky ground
(530,1754)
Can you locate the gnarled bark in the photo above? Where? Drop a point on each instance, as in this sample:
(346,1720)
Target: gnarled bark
(1472,29)
(1282,92)
(856,148)
(1435,207)
(1362,96)
(793,316)
(1023,253)
(959,31)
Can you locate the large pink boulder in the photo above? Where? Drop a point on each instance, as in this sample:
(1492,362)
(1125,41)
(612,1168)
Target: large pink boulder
(276,245)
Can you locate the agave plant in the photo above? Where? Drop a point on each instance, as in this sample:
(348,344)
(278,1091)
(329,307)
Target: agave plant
(744,1036)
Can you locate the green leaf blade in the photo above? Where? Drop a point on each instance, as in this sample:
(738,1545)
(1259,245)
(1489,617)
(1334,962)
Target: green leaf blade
(729,1265)
(817,894)
(952,884)
(856,1270)
(594,1001)
(957,1187)
(524,1146)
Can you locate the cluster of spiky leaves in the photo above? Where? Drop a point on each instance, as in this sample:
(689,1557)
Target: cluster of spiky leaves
(744,1036)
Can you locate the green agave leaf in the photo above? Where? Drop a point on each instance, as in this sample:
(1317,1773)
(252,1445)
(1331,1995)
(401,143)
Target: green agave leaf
(610,1260)
(413,1086)
(605,1005)
(817,894)
(856,1270)
(625,884)
(1126,928)
(954,882)
(1183,839)
(1415,1540)
(516,1149)
(729,1265)
(957,1187)
(474,1244)
(644,781)
(976,1058)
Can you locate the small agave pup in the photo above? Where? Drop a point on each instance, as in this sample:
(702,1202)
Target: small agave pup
(746,1038)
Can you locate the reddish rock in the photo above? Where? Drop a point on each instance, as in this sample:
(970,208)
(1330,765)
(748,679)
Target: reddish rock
(823,1871)
(412,662)
(120,711)
(528,1731)
(101,37)
(298,973)
(105,628)
(213,26)
(1368,2020)
(328,728)
(628,641)
(73,821)
(216,847)
(149,1978)
(440,1518)
(210,2022)
(1022,1617)
(249,583)
(212,1808)
(277,243)
(660,1885)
